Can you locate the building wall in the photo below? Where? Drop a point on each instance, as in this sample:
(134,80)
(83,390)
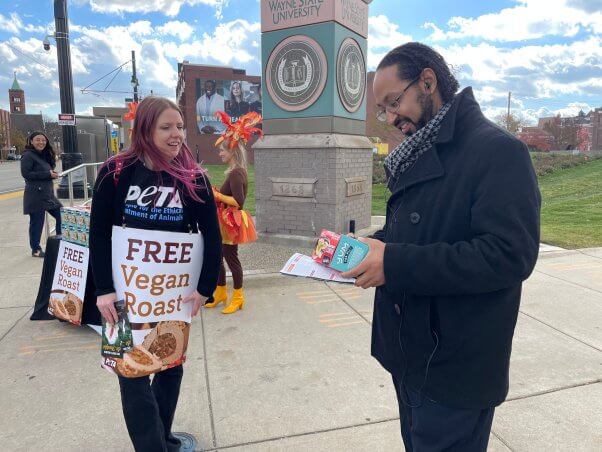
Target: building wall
(597,129)
(4,130)
(186,97)
(16,99)
(27,123)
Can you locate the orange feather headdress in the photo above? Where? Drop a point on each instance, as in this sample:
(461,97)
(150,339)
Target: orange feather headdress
(241,130)
(131,114)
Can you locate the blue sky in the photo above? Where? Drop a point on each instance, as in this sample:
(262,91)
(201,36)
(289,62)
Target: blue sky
(547,52)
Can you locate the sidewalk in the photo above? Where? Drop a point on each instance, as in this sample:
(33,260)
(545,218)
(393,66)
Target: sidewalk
(293,372)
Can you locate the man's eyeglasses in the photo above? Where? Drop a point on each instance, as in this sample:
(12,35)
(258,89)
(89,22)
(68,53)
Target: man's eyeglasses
(393,106)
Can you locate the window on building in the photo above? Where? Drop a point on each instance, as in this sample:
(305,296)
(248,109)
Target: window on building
(17,100)
(17,108)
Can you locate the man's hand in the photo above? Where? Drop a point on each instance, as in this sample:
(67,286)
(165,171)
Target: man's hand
(197,301)
(371,271)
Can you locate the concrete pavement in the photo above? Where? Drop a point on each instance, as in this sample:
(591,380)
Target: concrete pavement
(293,372)
(10,176)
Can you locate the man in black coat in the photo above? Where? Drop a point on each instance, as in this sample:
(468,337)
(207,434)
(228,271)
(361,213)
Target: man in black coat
(461,235)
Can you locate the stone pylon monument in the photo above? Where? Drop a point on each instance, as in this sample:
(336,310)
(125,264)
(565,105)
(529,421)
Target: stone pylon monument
(313,169)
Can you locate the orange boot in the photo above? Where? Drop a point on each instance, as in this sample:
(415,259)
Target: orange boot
(237,302)
(219,296)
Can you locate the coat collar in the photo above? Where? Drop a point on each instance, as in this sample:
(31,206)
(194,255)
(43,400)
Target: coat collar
(463,104)
(429,166)
(426,168)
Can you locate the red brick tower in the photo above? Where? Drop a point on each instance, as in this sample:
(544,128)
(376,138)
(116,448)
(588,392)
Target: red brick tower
(16,97)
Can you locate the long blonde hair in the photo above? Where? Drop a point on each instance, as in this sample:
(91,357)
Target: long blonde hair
(239,154)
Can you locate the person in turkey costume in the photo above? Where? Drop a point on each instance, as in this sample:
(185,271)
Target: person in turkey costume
(236,224)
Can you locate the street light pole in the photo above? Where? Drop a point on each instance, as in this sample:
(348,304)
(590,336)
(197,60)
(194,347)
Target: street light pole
(70,156)
(134,78)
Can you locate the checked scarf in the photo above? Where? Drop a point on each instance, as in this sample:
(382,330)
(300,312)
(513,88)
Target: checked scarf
(404,155)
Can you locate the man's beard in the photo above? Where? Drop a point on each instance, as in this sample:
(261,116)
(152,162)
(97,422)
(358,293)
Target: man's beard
(426,103)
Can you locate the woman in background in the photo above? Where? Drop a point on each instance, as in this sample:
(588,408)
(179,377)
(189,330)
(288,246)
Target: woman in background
(37,168)
(236,224)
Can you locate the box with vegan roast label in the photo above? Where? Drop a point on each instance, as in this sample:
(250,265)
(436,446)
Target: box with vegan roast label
(76,224)
(338,251)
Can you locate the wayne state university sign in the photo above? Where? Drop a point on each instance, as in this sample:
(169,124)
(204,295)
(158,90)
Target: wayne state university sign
(281,14)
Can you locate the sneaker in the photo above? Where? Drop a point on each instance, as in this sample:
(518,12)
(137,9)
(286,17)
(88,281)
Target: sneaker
(38,253)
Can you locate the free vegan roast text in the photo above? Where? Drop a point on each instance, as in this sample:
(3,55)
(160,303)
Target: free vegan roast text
(151,251)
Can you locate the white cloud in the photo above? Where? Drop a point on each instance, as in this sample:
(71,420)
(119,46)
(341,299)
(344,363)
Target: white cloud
(14,24)
(11,24)
(177,28)
(383,35)
(170,8)
(231,42)
(573,109)
(156,71)
(529,19)
(544,71)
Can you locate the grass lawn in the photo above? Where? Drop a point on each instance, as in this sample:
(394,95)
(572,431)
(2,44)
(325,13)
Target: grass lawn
(571,215)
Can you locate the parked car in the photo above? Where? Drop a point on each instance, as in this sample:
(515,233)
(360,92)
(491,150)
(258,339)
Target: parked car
(13,156)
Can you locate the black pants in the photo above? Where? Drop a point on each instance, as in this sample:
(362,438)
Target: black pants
(427,426)
(149,409)
(36,225)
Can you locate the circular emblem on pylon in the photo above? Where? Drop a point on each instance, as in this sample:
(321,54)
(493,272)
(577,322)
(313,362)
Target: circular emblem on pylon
(351,75)
(296,73)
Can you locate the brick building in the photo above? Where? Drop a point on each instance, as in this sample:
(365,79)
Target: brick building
(596,122)
(201,91)
(16,97)
(4,133)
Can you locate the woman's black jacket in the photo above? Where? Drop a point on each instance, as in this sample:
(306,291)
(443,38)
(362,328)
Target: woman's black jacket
(39,187)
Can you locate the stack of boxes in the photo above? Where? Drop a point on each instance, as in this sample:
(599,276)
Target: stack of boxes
(76,224)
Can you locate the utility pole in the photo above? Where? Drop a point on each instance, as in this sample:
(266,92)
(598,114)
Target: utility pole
(508,115)
(134,78)
(70,157)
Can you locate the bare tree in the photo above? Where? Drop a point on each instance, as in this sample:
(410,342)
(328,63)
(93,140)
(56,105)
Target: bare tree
(54,132)
(18,139)
(511,123)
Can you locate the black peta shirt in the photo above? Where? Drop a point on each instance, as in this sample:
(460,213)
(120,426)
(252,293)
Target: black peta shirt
(152,202)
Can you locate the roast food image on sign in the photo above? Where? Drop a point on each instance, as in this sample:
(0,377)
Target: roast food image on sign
(351,75)
(69,283)
(66,306)
(153,271)
(296,73)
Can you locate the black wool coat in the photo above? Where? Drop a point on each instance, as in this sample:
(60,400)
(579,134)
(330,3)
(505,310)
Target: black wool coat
(39,187)
(461,234)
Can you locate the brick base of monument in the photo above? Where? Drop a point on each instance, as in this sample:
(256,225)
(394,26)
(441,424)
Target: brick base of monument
(306,183)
